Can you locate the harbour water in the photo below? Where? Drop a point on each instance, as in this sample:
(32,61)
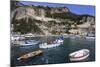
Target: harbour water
(53,55)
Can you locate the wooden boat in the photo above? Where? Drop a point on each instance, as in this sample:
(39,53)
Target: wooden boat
(79,55)
(30,55)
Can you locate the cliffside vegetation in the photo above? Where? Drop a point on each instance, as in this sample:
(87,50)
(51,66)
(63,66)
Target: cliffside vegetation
(29,24)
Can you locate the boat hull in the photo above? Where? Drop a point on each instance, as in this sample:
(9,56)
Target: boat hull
(48,45)
(79,59)
(33,42)
(79,55)
(30,55)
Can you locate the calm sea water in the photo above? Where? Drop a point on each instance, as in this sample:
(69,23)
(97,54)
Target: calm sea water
(53,55)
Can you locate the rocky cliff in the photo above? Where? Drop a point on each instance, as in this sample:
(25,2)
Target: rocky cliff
(49,20)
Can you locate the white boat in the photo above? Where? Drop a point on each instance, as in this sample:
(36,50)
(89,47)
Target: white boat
(79,55)
(30,42)
(26,44)
(90,38)
(45,45)
(56,43)
(17,38)
(60,41)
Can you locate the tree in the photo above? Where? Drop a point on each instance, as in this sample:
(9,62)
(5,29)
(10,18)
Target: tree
(68,27)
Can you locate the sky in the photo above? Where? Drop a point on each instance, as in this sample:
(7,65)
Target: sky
(77,9)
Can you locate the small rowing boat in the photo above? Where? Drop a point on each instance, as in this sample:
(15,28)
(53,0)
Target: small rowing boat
(79,55)
(31,54)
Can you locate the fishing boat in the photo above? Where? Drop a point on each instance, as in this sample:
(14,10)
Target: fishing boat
(29,42)
(25,42)
(30,55)
(79,55)
(55,43)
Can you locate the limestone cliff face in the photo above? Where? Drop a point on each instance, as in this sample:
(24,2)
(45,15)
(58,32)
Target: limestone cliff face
(32,18)
(23,12)
(36,11)
(89,19)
